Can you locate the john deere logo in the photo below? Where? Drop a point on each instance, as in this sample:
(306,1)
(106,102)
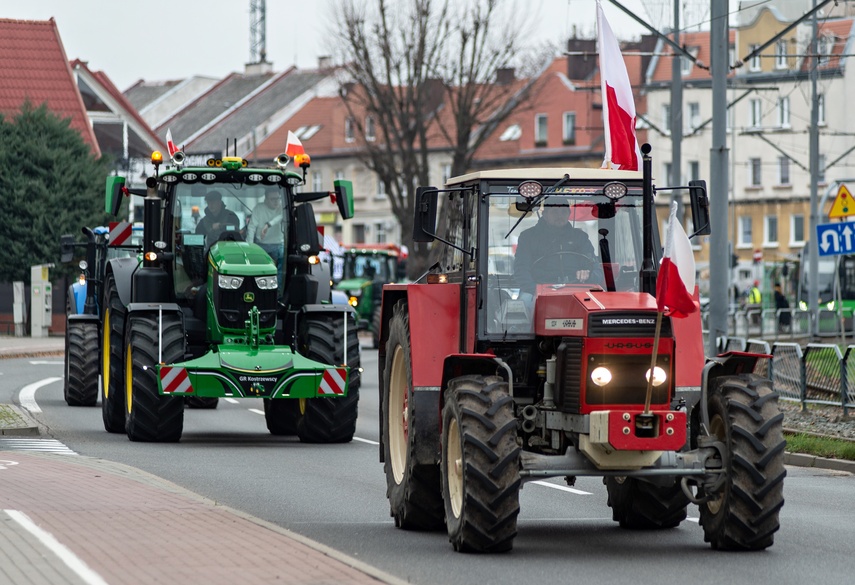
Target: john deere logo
(248,297)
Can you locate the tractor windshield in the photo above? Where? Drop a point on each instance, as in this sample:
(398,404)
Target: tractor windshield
(374,267)
(579,240)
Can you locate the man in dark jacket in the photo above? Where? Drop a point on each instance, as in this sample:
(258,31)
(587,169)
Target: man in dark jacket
(553,251)
(217,218)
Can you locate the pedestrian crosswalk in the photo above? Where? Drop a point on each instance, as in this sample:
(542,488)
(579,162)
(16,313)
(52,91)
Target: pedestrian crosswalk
(34,445)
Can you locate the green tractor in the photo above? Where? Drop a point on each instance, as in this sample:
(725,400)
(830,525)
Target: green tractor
(365,269)
(202,314)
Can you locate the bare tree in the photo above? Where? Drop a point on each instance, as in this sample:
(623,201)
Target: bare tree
(420,77)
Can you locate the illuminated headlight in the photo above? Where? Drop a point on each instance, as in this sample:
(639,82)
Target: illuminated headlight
(265,282)
(803,306)
(357,292)
(81,279)
(658,376)
(830,305)
(150,256)
(352,301)
(601,376)
(169,178)
(83,265)
(230,282)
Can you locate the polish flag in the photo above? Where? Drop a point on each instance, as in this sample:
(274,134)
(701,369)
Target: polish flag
(293,146)
(675,286)
(622,151)
(170,145)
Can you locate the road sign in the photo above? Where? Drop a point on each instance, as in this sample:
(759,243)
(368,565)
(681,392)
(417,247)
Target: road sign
(843,205)
(835,238)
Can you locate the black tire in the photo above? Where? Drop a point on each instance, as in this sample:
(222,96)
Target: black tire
(414,490)
(480,465)
(151,416)
(375,325)
(744,415)
(282,416)
(112,359)
(81,363)
(330,420)
(641,505)
(201,402)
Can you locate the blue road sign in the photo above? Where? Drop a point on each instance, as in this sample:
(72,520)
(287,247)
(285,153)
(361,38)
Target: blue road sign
(835,238)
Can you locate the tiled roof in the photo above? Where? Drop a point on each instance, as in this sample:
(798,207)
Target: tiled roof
(836,33)
(34,67)
(697,43)
(142,93)
(327,112)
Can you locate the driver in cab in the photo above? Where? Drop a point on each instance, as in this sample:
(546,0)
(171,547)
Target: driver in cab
(553,250)
(217,218)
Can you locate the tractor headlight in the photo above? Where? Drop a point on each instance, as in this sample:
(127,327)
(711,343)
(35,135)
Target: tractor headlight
(658,376)
(601,376)
(266,282)
(353,301)
(230,282)
(81,279)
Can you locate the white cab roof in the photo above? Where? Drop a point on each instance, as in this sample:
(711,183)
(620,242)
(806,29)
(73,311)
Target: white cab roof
(556,173)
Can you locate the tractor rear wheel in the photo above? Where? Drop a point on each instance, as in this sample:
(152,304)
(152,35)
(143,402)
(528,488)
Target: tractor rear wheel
(744,415)
(81,363)
(283,416)
(330,420)
(112,364)
(201,403)
(413,489)
(480,464)
(641,505)
(151,416)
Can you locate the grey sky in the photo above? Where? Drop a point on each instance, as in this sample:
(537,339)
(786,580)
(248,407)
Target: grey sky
(156,40)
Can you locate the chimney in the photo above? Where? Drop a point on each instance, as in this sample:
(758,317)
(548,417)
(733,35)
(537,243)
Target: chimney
(505,75)
(324,62)
(260,68)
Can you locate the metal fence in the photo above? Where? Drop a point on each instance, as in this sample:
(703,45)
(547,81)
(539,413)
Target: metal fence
(770,324)
(818,373)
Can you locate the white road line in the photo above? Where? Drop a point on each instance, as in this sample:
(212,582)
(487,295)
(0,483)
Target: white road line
(46,363)
(27,395)
(693,519)
(232,400)
(563,488)
(256,411)
(72,561)
(365,441)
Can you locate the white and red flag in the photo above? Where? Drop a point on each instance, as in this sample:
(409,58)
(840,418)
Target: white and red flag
(675,286)
(622,151)
(293,146)
(170,144)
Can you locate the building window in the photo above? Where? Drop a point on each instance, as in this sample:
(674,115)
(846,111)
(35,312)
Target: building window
(358,233)
(446,173)
(348,130)
(694,170)
(694,115)
(381,189)
(512,132)
(783,170)
(379,233)
(731,54)
(685,65)
(339,174)
(745,237)
(569,126)
(823,49)
(540,128)
(781,54)
(821,109)
(666,171)
(784,112)
(370,133)
(755,60)
(317,180)
(797,230)
(756,114)
(666,117)
(755,172)
(770,231)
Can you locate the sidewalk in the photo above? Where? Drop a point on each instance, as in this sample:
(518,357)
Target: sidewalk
(13,347)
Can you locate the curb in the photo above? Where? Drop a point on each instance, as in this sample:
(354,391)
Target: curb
(14,421)
(803,460)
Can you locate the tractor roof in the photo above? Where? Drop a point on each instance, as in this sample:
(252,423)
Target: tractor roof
(546,174)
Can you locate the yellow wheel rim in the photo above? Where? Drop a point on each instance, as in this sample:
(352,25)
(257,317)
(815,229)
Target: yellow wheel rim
(398,415)
(129,380)
(719,430)
(105,355)
(301,403)
(454,468)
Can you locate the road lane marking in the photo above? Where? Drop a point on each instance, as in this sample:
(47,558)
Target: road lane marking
(256,411)
(231,400)
(35,445)
(27,395)
(46,363)
(365,441)
(71,560)
(693,519)
(563,488)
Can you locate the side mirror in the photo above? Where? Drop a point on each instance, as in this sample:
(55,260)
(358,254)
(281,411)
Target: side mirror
(424,221)
(700,207)
(306,230)
(66,248)
(344,197)
(113,196)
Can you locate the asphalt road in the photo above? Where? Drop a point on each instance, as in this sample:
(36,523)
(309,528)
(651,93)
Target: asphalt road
(335,494)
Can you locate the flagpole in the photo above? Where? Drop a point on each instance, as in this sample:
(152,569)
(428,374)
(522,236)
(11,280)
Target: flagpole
(649,395)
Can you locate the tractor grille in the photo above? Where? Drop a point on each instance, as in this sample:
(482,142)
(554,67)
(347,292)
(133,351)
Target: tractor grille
(629,382)
(627,325)
(568,374)
(233,307)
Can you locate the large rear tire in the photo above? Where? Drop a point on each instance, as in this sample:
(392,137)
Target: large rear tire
(414,490)
(81,363)
(376,317)
(151,416)
(112,359)
(282,416)
(642,505)
(330,420)
(480,465)
(743,513)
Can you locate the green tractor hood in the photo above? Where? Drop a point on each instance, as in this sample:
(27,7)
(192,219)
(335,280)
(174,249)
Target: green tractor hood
(241,259)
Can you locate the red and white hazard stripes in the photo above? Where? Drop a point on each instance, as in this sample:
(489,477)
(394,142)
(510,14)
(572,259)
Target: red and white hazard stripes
(175,380)
(333,381)
(120,232)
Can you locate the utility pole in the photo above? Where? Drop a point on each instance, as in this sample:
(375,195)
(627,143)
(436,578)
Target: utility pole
(813,137)
(677,115)
(257,31)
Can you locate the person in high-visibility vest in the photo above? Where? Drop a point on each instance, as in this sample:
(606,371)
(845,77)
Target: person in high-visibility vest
(755,299)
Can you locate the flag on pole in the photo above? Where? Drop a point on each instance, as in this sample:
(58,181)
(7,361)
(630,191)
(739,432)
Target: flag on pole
(622,151)
(170,145)
(293,146)
(675,286)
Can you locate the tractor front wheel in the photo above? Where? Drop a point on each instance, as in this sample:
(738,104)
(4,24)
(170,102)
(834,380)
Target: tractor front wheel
(480,464)
(375,325)
(81,363)
(112,365)
(641,505)
(744,415)
(151,416)
(283,416)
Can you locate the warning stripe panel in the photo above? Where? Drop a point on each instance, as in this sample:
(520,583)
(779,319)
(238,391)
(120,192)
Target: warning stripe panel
(120,232)
(175,380)
(333,381)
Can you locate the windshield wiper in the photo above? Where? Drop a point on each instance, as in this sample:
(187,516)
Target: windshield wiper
(537,201)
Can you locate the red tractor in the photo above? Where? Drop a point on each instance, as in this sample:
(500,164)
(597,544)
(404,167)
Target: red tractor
(515,360)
